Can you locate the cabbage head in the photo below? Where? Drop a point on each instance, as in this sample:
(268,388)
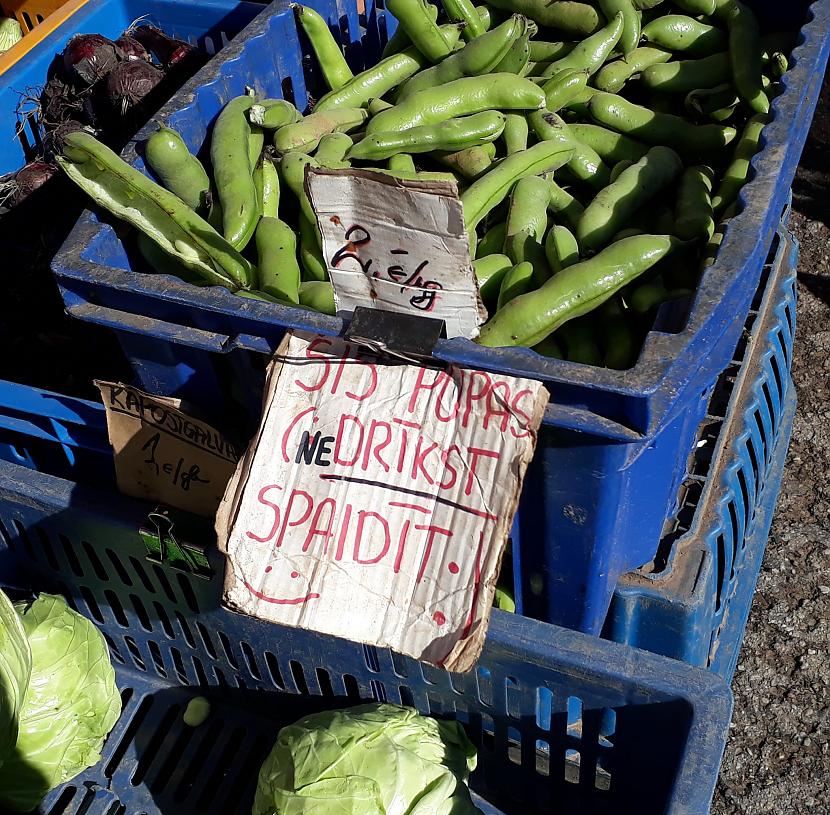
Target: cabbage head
(10,33)
(15,669)
(376,759)
(70,706)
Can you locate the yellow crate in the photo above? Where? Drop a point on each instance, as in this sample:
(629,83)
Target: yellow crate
(38,19)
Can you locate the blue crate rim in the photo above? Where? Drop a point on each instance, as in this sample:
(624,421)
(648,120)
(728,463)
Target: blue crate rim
(706,515)
(645,378)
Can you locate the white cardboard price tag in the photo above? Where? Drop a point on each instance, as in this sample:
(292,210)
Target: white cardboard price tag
(375,501)
(397,245)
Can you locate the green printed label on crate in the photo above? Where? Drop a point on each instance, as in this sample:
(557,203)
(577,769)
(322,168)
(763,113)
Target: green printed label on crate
(164,455)
(376,498)
(397,245)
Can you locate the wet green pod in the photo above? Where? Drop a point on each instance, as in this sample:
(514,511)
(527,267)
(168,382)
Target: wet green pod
(613,75)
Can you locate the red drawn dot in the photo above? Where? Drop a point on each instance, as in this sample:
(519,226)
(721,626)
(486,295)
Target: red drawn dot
(267,569)
(453,567)
(295,574)
(439,618)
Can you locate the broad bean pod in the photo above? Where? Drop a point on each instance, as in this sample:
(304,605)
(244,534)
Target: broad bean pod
(682,76)
(305,135)
(329,55)
(614,205)
(279,272)
(479,57)
(592,52)
(158,213)
(613,75)
(491,189)
(451,135)
(679,32)
(561,248)
(463,11)
(575,291)
(577,19)
(273,113)
(630,36)
(462,97)
(658,128)
(424,32)
(176,167)
(232,172)
(694,217)
(518,280)
(735,175)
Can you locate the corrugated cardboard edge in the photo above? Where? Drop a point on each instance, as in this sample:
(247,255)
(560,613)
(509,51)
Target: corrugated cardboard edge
(464,655)
(229,506)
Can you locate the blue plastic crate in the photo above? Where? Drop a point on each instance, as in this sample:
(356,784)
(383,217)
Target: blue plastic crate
(613,445)
(564,722)
(210,24)
(693,601)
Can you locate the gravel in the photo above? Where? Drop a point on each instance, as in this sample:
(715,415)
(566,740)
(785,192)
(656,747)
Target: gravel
(778,756)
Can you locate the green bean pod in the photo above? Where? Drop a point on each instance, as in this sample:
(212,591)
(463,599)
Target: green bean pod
(470,163)
(745,53)
(561,248)
(693,216)
(463,11)
(697,7)
(451,135)
(564,87)
(613,75)
(490,271)
(585,164)
(686,75)
(527,221)
(491,189)
(270,114)
(401,162)
(292,170)
(611,146)
(313,267)
(374,82)
(517,281)
(163,263)
(515,133)
(176,167)
(493,241)
(658,128)
(541,51)
(679,32)
(318,295)
(329,55)
(130,195)
(332,150)
(577,19)
(230,159)
(424,32)
(619,167)
(614,205)
(736,172)
(517,58)
(462,97)
(279,272)
(630,37)
(716,104)
(563,204)
(575,291)
(592,52)
(268,187)
(400,41)
(305,135)
(479,57)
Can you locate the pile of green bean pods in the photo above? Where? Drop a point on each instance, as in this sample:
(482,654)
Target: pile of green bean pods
(598,148)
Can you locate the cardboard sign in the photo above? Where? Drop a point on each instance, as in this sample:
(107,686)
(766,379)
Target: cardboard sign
(376,498)
(164,455)
(397,245)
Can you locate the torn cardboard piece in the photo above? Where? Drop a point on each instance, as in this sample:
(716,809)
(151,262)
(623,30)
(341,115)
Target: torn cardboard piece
(376,499)
(164,455)
(397,245)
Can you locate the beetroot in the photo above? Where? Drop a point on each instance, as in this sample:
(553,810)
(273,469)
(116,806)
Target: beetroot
(90,57)
(132,48)
(129,83)
(59,103)
(168,51)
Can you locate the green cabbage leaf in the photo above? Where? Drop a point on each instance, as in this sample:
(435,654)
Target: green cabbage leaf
(15,669)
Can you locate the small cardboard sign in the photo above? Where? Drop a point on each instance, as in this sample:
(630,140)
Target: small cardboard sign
(375,501)
(397,245)
(164,455)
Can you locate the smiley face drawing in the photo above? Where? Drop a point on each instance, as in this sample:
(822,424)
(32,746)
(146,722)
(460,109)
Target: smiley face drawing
(300,599)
